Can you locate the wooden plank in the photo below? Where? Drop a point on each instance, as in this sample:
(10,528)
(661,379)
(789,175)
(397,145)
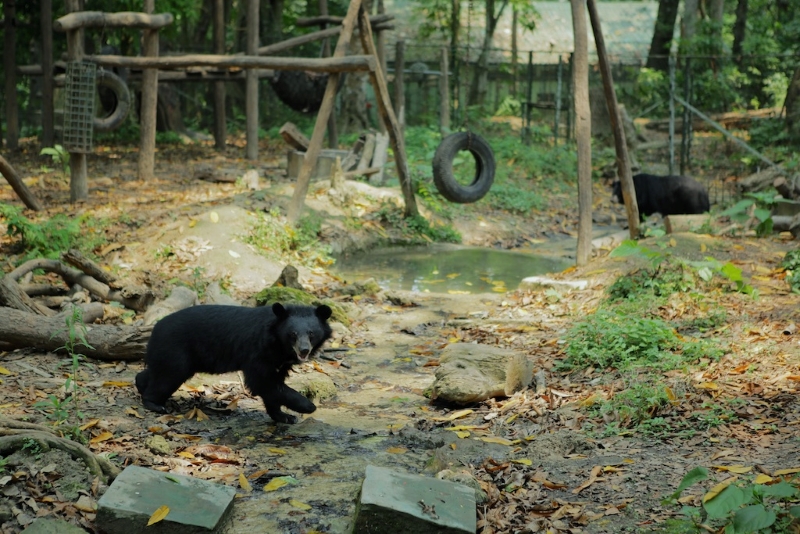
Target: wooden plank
(310,161)
(387,114)
(294,137)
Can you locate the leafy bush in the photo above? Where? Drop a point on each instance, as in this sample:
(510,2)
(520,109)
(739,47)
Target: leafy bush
(51,237)
(665,279)
(274,238)
(760,504)
(791,262)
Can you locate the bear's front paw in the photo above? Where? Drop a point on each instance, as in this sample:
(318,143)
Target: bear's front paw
(281,417)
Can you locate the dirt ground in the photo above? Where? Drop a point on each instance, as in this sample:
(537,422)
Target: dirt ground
(535,465)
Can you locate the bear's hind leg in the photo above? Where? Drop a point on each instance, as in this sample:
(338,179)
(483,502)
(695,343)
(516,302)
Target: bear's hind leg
(158,388)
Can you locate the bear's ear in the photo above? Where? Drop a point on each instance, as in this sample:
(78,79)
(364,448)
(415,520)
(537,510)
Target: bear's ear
(323,312)
(279,311)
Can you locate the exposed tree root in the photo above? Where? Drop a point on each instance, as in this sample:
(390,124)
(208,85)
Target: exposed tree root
(14,435)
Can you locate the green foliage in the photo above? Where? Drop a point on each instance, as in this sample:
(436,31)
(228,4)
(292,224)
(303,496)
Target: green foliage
(60,157)
(53,236)
(663,280)
(274,237)
(791,262)
(743,506)
(62,410)
(610,339)
(704,269)
(638,405)
(509,107)
(416,230)
(755,206)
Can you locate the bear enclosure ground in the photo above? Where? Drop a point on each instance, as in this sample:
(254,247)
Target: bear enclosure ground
(559,455)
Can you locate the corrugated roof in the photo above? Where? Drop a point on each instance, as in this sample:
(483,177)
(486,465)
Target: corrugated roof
(627,30)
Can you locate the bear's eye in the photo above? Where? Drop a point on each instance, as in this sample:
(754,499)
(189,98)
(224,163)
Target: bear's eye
(294,336)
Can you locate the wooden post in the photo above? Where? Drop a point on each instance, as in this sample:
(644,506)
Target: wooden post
(387,114)
(399,82)
(620,143)
(444,94)
(10,70)
(583,131)
(251,82)
(333,134)
(310,160)
(48,125)
(220,123)
(78,183)
(149,104)
(380,48)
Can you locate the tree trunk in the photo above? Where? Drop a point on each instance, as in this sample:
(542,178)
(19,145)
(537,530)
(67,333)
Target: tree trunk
(218,30)
(662,35)
(716,11)
(480,81)
(583,130)
(739,30)
(10,74)
(792,104)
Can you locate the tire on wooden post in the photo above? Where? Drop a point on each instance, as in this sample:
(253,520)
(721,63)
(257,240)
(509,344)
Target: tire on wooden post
(112,82)
(443,176)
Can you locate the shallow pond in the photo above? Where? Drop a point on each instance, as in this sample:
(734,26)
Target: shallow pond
(443,268)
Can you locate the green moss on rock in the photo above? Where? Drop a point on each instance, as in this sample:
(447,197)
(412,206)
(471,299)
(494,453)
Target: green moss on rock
(287,295)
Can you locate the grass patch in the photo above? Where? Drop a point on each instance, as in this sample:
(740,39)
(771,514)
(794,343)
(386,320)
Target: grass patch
(415,230)
(276,239)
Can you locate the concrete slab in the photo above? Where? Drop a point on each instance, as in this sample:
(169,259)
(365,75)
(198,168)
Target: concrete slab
(195,506)
(399,503)
(52,526)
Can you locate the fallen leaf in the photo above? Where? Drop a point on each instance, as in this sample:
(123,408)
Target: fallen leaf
(89,424)
(86,504)
(158,515)
(214,216)
(117,384)
(523,461)
(275,450)
(716,490)
(738,469)
(397,450)
(133,412)
(105,436)
(244,484)
(499,440)
(298,504)
(455,415)
(592,479)
(790,471)
(279,482)
(4,371)
(763,479)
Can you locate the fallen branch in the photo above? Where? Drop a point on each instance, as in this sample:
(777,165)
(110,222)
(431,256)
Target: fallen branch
(19,186)
(106,342)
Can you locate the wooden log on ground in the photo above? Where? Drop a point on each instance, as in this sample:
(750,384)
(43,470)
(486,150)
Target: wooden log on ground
(332,65)
(367,153)
(294,137)
(180,298)
(99,19)
(786,188)
(761,179)
(19,187)
(351,160)
(75,258)
(19,329)
(686,223)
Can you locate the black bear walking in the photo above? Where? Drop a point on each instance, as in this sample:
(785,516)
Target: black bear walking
(264,343)
(667,195)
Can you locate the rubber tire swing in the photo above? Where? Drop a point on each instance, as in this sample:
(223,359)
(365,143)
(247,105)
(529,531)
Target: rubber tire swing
(443,176)
(109,80)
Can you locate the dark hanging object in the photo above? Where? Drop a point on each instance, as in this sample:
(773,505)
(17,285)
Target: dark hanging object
(301,90)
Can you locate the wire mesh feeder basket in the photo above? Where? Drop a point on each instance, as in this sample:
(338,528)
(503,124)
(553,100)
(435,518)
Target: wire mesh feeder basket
(79,106)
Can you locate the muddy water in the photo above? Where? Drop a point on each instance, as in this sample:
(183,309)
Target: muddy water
(446,268)
(378,400)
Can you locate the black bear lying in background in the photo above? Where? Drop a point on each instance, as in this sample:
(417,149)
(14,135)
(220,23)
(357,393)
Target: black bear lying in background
(667,195)
(263,343)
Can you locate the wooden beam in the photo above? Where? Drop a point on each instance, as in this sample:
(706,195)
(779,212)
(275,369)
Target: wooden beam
(48,111)
(251,83)
(304,22)
(99,19)
(387,114)
(19,186)
(583,130)
(297,41)
(149,107)
(310,160)
(218,31)
(620,143)
(341,64)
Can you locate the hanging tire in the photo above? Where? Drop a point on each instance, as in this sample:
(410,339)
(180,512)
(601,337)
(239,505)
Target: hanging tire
(443,176)
(113,83)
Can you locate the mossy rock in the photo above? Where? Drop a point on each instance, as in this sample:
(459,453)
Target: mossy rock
(287,295)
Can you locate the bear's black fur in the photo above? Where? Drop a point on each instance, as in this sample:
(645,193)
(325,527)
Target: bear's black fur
(263,343)
(667,195)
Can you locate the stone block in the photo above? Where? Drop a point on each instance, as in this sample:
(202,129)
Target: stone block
(195,506)
(324,165)
(44,525)
(399,503)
